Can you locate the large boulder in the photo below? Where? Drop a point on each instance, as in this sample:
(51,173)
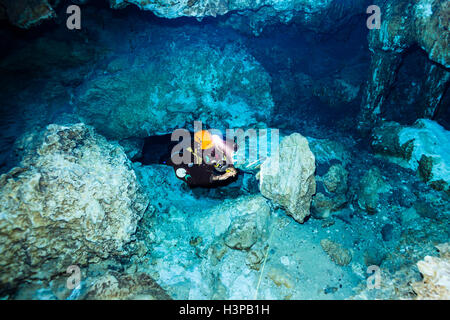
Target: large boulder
(287,178)
(74,200)
(169,87)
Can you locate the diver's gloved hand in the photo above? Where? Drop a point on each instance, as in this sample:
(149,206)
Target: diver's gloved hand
(230,173)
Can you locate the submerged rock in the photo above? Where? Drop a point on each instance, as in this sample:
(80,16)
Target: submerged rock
(371,186)
(335,180)
(288,179)
(333,196)
(436,276)
(169,86)
(421,148)
(425,210)
(27,13)
(255,15)
(374,256)
(74,200)
(245,230)
(336,252)
(331,177)
(117,286)
(321,16)
(322,206)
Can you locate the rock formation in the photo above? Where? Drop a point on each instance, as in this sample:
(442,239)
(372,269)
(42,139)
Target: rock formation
(27,13)
(222,87)
(371,186)
(323,16)
(74,200)
(406,24)
(340,255)
(331,177)
(436,276)
(288,179)
(246,229)
(421,148)
(117,286)
(255,15)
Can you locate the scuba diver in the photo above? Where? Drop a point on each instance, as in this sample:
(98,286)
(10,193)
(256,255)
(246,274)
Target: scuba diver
(212,162)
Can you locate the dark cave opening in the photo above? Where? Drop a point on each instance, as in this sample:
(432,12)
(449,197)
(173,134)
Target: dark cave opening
(407,99)
(156,149)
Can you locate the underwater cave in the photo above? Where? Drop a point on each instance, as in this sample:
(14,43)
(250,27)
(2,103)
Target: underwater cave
(322,162)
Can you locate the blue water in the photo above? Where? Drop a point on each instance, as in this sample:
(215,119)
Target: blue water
(316,83)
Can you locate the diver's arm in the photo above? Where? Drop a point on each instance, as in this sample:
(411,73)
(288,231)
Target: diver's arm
(231,172)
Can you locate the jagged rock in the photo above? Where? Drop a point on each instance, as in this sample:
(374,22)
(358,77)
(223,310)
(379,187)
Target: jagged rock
(216,252)
(340,255)
(118,286)
(190,81)
(240,222)
(371,186)
(404,24)
(74,200)
(288,179)
(27,13)
(323,206)
(386,141)
(335,180)
(436,276)
(322,16)
(331,177)
(421,148)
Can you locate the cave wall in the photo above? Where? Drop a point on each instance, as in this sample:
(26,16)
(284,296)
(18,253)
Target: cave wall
(407,24)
